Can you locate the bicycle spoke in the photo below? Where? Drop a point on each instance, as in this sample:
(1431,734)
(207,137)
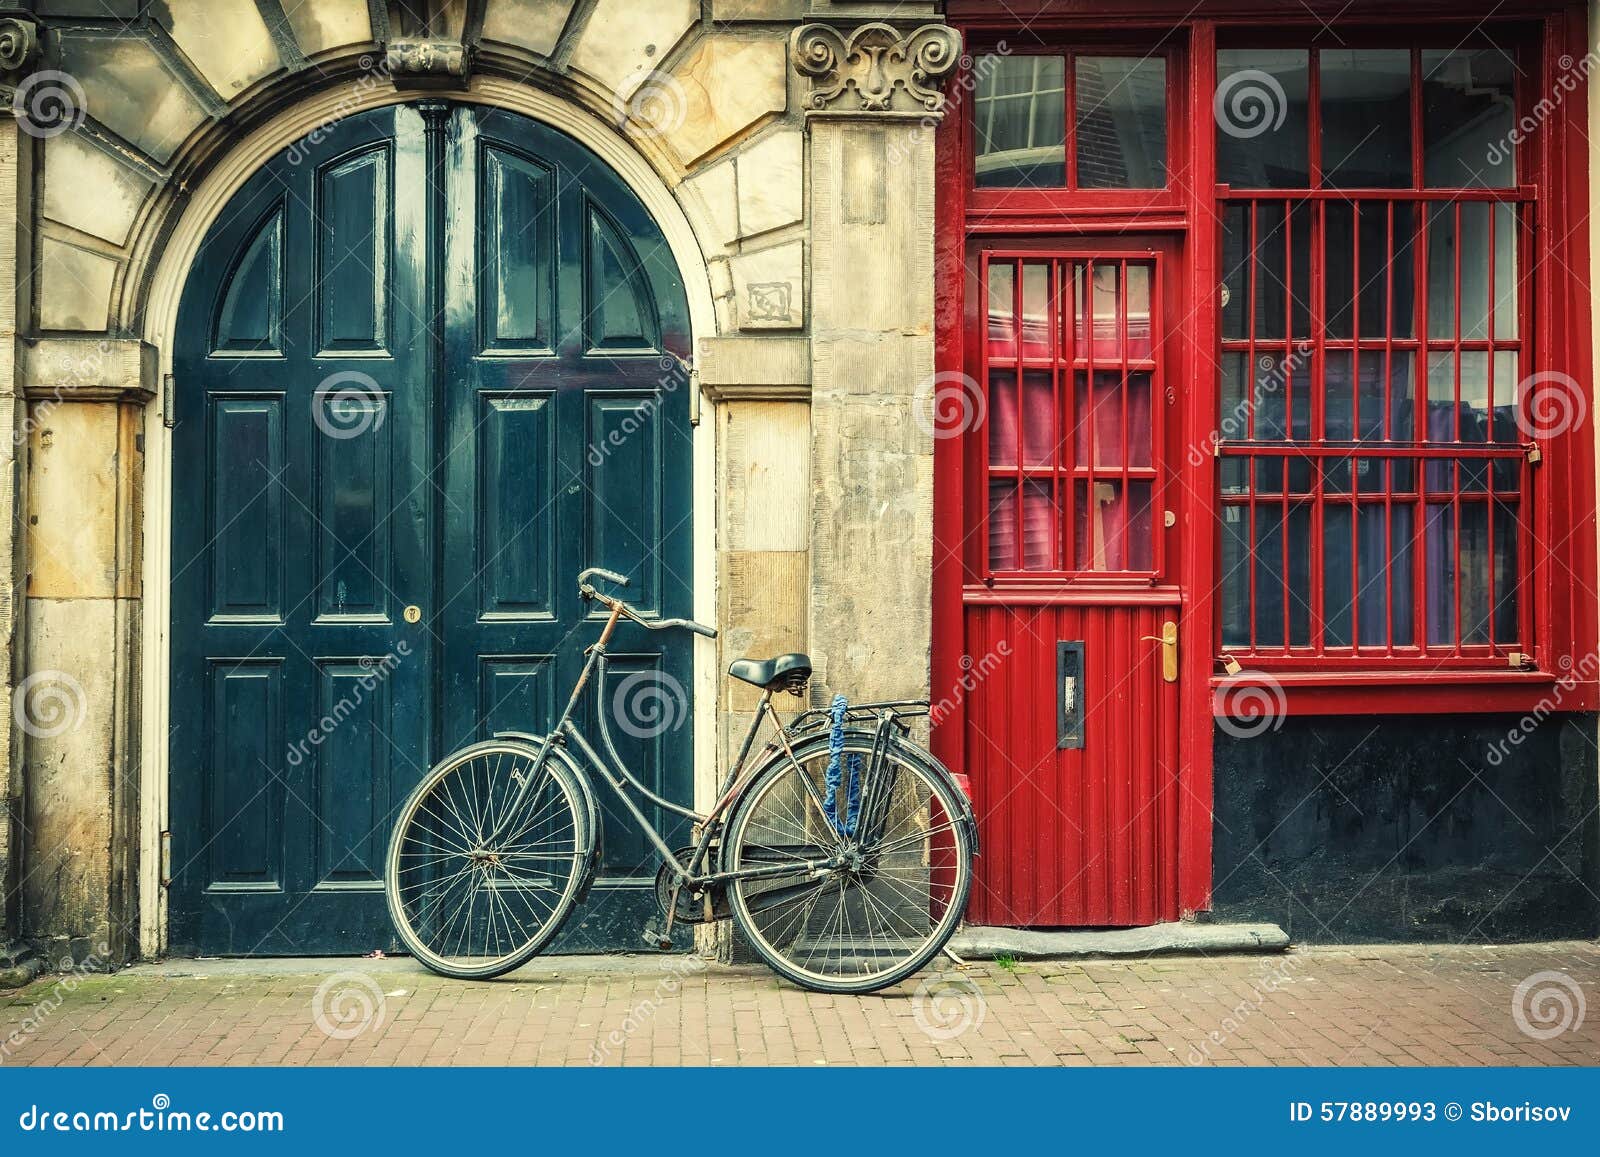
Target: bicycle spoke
(485,863)
(881,905)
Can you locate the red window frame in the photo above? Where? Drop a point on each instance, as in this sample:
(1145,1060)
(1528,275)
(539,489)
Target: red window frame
(1028,203)
(1560,602)
(1025,199)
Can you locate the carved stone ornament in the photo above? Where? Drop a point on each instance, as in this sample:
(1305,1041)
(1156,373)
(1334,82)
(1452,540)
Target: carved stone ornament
(19,43)
(428,64)
(876,68)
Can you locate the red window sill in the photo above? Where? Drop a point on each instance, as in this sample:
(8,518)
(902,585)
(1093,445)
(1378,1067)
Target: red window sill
(1416,692)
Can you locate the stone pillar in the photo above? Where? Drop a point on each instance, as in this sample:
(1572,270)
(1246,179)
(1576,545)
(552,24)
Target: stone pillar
(79,703)
(17,153)
(871,115)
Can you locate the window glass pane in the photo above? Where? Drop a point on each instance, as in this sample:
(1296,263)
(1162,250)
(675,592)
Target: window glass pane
(1336,613)
(1234,479)
(1235,576)
(1299,575)
(1002,311)
(1372,576)
(1002,525)
(1233,418)
(1139,320)
(1373,268)
(1236,253)
(1505,573)
(1474,420)
(1401,272)
(1441,398)
(1338,397)
(1112,528)
(1260,110)
(1504,427)
(1442,247)
(1505,272)
(1002,418)
(1473,573)
(1370,402)
(1366,118)
(1019,124)
(1441,576)
(1270,587)
(1401,586)
(1038,418)
(1473,240)
(1121,122)
(1140,441)
(1035,310)
(1402,398)
(1339,269)
(1038,525)
(1467,119)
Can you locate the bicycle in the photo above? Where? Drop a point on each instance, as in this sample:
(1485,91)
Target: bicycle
(842,851)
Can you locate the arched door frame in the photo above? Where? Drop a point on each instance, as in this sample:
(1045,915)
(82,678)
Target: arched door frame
(205,203)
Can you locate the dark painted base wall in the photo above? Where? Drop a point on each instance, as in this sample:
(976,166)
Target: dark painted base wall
(1411,828)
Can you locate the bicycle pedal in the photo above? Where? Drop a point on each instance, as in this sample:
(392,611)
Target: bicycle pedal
(656,938)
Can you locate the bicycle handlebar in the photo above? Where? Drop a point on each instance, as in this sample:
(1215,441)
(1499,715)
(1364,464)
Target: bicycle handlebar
(587,590)
(610,576)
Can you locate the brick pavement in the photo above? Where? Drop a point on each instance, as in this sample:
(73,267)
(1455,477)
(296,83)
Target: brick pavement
(1345,1006)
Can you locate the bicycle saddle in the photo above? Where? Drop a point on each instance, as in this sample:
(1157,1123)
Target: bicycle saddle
(784,671)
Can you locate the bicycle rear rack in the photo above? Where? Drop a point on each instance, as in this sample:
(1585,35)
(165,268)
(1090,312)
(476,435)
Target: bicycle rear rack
(859,713)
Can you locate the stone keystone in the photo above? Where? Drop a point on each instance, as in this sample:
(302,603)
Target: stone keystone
(876,68)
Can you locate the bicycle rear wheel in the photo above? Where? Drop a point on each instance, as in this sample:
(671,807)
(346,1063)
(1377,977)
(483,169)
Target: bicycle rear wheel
(893,887)
(472,904)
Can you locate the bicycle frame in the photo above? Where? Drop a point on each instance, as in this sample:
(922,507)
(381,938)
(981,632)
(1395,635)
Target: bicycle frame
(620,778)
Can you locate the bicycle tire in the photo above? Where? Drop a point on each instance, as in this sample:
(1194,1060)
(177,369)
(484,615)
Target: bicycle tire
(742,850)
(573,800)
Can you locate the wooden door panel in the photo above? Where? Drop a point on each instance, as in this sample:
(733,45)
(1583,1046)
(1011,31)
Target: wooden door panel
(352,502)
(245,518)
(354,774)
(1077,836)
(515,546)
(517,253)
(353,215)
(244,800)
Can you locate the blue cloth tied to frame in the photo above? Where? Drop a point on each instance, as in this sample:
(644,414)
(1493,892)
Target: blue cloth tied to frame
(837,764)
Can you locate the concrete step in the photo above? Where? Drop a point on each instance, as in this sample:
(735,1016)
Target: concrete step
(1178,938)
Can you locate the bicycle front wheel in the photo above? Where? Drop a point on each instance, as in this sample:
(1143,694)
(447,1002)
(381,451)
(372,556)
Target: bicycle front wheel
(861,898)
(482,874)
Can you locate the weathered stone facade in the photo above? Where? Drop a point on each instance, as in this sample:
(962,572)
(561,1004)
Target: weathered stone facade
(791,139)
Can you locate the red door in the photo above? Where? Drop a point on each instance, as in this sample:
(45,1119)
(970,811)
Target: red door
(1070,598)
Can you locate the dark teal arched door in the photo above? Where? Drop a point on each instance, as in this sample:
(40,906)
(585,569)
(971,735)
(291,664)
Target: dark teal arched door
(426,368)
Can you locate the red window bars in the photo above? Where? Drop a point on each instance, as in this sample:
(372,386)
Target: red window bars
(1071,373)
(1375,480)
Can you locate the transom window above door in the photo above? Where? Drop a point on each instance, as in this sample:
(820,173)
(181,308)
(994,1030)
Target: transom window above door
(1069,121)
